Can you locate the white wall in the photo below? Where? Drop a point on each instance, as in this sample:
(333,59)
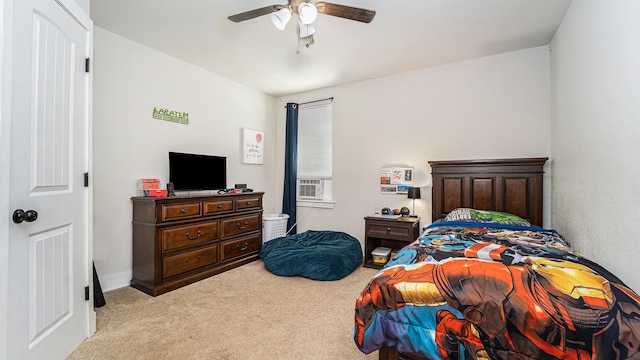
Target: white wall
(493,107)
(129,81)
(596,132)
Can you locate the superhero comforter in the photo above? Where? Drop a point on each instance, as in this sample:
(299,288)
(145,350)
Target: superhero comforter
(477,290)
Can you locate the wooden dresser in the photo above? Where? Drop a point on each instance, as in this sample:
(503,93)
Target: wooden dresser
(179,240)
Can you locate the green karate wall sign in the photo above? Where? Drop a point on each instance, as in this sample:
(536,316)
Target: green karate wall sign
(170,115)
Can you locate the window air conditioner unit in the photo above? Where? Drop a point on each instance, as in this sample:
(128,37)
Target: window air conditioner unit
(310,189)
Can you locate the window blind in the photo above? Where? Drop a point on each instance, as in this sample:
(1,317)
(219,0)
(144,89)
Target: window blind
(315,145)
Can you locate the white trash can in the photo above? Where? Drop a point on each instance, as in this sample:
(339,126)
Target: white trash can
(274,226)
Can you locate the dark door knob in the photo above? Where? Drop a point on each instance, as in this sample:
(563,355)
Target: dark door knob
(21,215)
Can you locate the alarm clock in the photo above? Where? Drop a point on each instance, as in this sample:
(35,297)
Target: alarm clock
(405,211)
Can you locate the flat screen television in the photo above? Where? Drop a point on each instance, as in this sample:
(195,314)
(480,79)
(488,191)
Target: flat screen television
(197,172)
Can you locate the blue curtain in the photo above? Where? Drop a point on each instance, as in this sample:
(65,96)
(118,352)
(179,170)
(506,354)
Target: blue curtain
(291,166)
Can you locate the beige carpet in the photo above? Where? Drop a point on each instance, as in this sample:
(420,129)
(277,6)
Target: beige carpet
(244,313)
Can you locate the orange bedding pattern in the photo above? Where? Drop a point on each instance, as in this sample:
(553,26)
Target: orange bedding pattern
(483,290)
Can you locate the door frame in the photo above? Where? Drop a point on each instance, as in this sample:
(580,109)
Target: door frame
(6,55)
(5,145)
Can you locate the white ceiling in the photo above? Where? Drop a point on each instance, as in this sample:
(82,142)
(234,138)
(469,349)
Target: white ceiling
(404,35)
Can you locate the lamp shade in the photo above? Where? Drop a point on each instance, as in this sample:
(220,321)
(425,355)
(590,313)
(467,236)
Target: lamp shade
(307,12)
(413,193)
(280,18)
(306,30)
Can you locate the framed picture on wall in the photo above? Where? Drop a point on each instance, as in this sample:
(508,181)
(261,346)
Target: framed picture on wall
(252,146)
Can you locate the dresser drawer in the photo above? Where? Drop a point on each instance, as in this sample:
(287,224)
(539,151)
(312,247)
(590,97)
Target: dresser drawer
(240,225)
(246,203)
(179,264)
(235,248)
(390,232)
(218,206)
(177,237)
(180,211)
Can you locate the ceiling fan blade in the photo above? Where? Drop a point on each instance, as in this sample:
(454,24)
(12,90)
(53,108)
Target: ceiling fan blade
(255,13)
(346,12)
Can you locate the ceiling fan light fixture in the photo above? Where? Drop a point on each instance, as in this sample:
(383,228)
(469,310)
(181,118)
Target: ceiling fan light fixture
(281,17)
(306,30)
(307,12)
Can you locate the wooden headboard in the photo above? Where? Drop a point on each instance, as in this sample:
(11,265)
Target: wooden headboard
(508,185)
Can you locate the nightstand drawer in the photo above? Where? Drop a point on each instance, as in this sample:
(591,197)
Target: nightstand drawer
(390,232)
(180,211)
(177,237)
(179,264)
(235,248)
(240,225)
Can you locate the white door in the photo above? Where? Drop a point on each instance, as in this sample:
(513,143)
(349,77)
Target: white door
(49,261)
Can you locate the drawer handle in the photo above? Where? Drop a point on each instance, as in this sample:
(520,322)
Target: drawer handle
(249,203)
(220,206)
(246,224)
(183,210)
(244,247)
(187,259)
(193,238)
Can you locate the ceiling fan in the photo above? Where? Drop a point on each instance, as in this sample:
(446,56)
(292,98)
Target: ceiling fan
(307,12)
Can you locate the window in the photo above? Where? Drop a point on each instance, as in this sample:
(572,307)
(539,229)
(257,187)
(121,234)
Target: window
(315,152)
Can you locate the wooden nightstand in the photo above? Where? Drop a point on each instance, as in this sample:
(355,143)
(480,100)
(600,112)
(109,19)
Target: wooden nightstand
(388,232)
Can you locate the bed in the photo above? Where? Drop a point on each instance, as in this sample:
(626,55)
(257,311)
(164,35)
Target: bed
(486,281)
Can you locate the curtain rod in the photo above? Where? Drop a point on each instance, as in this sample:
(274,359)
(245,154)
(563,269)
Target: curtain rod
(314,101)
(311,102)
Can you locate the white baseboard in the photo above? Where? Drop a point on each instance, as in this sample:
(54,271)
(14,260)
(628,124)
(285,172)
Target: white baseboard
(115,281)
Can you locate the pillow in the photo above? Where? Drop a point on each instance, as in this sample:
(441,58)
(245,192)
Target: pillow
(485,216)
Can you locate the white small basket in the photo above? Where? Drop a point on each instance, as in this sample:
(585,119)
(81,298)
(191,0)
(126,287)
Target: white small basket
(274,226)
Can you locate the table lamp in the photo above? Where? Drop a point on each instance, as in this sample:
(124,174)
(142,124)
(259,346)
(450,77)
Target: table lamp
(413,193)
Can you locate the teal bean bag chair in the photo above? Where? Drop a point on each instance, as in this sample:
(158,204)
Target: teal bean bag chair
(316,255)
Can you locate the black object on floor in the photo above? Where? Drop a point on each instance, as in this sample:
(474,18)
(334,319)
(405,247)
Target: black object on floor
(98,296)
